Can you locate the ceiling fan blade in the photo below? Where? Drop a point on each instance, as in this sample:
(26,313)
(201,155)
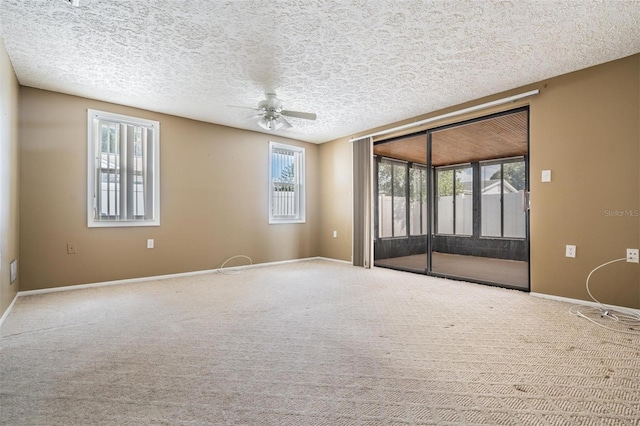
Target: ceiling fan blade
(298,114)
(285,123)
(243,107)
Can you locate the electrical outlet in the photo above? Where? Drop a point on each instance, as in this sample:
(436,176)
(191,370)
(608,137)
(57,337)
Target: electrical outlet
(570,251)
(71,248)
(150,243)
(632,255)
(13,271)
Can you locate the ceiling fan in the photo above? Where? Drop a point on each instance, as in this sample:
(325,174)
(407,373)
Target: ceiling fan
(271,113)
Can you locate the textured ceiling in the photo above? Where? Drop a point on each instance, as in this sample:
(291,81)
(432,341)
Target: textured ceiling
(358,64)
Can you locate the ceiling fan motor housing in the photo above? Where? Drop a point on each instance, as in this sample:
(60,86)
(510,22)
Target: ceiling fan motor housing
(271,105)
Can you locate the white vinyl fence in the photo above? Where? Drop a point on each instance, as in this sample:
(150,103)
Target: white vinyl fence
(514,217)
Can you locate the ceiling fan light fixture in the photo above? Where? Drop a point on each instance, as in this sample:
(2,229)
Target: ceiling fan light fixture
(270,123)
(271,114)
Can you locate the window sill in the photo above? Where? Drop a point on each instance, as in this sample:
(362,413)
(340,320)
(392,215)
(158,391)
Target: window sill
(284,222)
(122,224)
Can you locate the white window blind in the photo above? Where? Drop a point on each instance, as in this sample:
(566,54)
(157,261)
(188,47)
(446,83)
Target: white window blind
(286,184)
(123,171)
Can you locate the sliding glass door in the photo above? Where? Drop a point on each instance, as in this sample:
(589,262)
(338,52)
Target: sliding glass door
(479,209)
(401,212)
(451,201)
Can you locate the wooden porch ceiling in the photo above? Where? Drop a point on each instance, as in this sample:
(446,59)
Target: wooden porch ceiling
(497,137)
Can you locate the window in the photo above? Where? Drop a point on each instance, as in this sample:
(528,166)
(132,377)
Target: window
(123,170)
(418,200)
(455,200)
(385,198)
(286,184)
(393,204)
(501,202)
(392,200)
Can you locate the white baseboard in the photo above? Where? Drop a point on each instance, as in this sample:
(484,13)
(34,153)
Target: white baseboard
(164,277)
(333,260)
(585,303)
(6,313)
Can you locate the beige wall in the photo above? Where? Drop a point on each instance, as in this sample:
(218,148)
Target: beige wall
(336,204)
(585,127)
(9,206)
(213,199)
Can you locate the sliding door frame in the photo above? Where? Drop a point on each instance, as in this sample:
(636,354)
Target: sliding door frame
(432,195)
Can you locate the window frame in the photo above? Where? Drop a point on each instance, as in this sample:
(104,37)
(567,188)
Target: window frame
(392,163)
(454,168)
(299,185)
(408,167)
(93,140)
(422,169)
(501,162)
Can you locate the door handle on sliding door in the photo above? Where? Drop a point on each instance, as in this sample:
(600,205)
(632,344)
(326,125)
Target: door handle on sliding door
(526,200)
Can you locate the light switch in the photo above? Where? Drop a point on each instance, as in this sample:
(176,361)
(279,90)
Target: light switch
(546,175)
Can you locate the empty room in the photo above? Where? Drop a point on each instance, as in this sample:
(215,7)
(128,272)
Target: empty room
(319,213)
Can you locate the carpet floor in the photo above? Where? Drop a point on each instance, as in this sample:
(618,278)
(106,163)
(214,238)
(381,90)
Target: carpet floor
(311,343)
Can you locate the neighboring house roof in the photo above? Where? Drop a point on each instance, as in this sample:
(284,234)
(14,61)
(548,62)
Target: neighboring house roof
(491,186)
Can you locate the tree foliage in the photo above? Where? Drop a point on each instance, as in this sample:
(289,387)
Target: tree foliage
(287,175)
(418,184)
(445,183)
(514,173)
